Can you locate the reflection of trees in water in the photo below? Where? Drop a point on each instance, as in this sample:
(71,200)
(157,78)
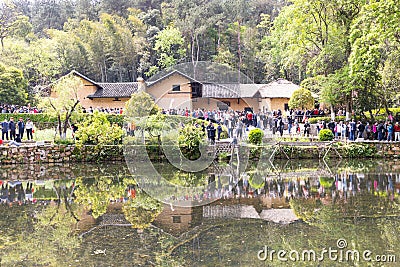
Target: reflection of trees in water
(50,242)
(142,210)
(95,194)
(366,220)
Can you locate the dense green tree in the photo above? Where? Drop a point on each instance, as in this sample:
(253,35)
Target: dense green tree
(348,42)
(374,39)
(13,86)
(50,14)
(302,99)
(169,46)
(9,16)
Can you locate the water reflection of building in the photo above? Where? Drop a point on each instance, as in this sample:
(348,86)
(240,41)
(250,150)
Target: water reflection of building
(178,220)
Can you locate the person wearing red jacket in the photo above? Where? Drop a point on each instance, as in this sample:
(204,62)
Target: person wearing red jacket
(397,132)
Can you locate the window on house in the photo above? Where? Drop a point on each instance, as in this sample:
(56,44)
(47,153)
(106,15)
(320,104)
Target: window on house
(176,88)
(176,219)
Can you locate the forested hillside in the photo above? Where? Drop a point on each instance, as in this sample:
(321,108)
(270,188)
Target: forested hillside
(347,51)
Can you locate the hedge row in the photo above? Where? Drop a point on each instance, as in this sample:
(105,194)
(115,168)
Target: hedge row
(343,118)
(44,118)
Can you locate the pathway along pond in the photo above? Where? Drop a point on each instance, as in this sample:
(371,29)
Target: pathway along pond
(347,213)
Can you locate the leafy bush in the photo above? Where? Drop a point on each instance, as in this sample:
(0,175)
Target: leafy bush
(66,142)
(223,156)
(256,136)
(326,135)
(326,182)
(190,138)
(358,150)
(97,130)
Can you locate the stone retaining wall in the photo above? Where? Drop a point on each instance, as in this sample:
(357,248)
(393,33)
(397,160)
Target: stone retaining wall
(59,154)
(63,154)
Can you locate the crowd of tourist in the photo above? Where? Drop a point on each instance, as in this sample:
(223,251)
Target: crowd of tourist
(388,130)
(293,122)
(17,109)
(238,123)
(14,130)
(116,111)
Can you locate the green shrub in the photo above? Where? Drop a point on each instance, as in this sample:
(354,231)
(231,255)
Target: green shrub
(326,182)
(190,138)
(66,142)
(224,156)
(256,136)
(97,130)
(359,150)
(326,135)
(224,135)
(325,119)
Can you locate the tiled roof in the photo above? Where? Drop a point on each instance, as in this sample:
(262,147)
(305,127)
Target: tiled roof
(115,90)
(153,81)
(278,89)
(234,90)
(213,90)
(249,90)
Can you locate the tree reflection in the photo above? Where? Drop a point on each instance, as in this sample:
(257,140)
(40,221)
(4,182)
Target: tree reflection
(97,193)
(142,210)
(51,241)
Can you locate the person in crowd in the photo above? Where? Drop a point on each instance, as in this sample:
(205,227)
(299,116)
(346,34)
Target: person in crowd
(219,131)
(375,131)
(13,127)
(368,131)
(338,130)
(307,128)
(344,130)
(239,129)
(203,127)
(397,132)
(29,129)
(381,131)
(361,129)
(390,130)
(21,128)
(332,126)
(211,133)
(290,124)
(16,142)
(74,129)
(353,129)
(4,130)
(230,127)
(281,125)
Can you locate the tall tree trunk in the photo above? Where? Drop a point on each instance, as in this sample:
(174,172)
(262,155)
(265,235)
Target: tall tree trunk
(348,109)
(385,103)
(239,52)
(195,52)
(59,125)
(371,114)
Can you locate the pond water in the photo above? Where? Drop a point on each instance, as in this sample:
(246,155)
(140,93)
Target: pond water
(294,213)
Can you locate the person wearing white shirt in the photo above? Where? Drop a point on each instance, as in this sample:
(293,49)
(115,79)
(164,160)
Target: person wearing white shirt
(29,129)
